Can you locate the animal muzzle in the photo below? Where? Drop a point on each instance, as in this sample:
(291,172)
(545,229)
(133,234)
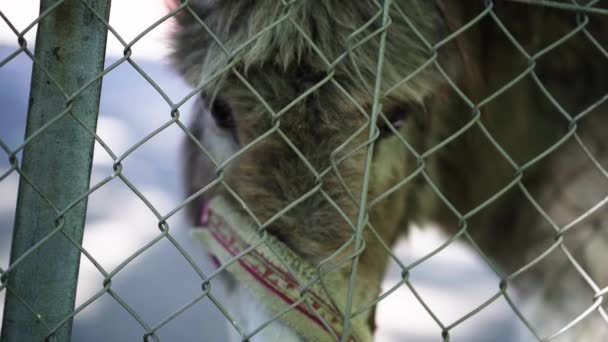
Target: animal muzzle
(277,276)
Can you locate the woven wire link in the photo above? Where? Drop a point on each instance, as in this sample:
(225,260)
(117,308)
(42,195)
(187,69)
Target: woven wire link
(385,12)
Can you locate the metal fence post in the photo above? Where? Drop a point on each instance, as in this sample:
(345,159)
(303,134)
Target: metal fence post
(70,50)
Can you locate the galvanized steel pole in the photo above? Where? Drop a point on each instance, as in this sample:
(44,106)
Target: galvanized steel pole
(43,272)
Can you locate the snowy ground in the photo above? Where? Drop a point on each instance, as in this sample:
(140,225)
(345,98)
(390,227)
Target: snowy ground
(159,281)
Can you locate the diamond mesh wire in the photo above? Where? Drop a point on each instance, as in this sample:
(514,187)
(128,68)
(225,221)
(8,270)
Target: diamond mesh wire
(385,11)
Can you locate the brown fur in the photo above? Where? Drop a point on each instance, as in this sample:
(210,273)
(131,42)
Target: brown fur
(268,73)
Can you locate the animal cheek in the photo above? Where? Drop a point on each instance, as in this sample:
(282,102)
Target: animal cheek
(220,144)
(391,165)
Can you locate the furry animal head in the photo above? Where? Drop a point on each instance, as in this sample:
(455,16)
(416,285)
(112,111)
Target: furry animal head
(287,94)
(288,90)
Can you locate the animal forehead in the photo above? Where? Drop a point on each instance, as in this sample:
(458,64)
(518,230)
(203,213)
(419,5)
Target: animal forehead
(303,120)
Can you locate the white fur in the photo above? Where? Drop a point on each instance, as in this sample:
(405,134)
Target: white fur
(219,141)
(250,314)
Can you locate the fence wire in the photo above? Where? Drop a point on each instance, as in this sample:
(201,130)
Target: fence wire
(386,10)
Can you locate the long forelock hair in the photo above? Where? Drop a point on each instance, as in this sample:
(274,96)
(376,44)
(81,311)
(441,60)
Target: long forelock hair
(320,37)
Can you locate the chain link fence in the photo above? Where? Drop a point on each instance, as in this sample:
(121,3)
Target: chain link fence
(53,164)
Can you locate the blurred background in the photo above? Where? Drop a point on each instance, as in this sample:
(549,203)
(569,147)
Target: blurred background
(160,281)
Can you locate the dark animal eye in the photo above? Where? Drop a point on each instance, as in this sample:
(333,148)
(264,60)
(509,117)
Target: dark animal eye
(396,117)
(222,114)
